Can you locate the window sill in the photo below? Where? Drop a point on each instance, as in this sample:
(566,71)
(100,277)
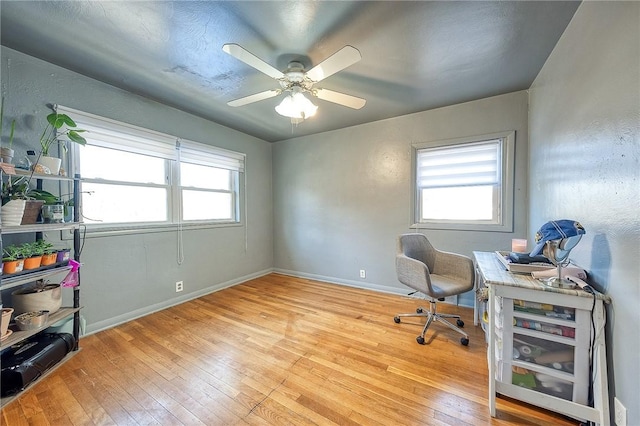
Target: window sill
(97,231)
(481,227)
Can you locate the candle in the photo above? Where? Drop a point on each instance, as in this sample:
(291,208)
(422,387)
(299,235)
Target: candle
(519,245)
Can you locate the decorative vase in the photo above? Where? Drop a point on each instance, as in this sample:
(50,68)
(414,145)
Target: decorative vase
(12,212)
(51,163)
(48,298)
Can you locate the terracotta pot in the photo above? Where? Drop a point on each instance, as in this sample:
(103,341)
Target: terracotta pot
(32,262)
(7,155)
(4,322)
(12,266)
(29,300)
(48,259)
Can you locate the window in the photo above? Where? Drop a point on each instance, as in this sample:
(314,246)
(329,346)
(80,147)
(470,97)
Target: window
(465,184)
(135,177)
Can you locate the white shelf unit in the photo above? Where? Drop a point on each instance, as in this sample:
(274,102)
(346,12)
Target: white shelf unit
(23,278)
(539,343)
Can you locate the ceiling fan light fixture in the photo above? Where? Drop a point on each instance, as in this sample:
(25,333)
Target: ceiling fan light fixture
(296,106)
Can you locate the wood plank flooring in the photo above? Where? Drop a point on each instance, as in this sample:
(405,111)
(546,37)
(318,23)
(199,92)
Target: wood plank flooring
(276,350)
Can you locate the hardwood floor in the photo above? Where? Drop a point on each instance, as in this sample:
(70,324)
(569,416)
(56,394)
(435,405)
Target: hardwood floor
(276,350)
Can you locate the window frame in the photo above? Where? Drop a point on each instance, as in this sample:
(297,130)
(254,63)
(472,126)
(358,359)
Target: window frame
(505,192)
(226,159)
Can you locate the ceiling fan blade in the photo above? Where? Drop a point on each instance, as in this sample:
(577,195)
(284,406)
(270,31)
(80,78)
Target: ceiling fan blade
(254,98)
(340,98)
(340,60)
(252,60)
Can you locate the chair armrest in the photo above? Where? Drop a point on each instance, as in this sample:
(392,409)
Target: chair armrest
(413,273)
(454,265)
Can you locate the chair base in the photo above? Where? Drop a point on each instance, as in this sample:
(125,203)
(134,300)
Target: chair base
(431,315)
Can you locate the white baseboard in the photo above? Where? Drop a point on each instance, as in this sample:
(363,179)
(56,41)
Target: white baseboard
(454,300)
(129,316)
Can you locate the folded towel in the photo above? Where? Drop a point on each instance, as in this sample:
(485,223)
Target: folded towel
(550,273)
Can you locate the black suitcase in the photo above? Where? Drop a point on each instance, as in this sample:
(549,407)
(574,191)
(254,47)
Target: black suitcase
(24,362)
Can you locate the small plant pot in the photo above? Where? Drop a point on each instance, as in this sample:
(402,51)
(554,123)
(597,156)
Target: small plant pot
(49,259)
(53,213)
(12,266)
(32,262)
(7,155)
(51,163)
(4,323)
(68,214)
(31,212)
(48,298)
(63,255)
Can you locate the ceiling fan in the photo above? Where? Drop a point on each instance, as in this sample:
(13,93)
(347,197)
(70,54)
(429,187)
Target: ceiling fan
(296,81)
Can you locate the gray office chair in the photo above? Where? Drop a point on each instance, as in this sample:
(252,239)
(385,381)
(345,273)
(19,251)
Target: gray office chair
(435,273)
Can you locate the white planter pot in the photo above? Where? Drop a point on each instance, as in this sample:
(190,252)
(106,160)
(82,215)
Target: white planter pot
(51,163)
(12,212)
(25,300)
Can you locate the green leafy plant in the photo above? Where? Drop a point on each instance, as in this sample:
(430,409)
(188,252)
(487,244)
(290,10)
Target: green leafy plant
(11,253)
(58,127)
(47,247)
(15,188)
(13,125)
(32,249)
(40,194)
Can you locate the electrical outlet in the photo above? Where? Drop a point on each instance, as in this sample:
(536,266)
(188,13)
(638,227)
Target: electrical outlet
(620,412)
(363,273)
(179,286)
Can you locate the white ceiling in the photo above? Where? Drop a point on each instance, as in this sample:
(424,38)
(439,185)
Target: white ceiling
(415,55)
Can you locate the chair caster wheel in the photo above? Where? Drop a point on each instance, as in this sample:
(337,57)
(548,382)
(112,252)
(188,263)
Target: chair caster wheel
(420,340)
(396,320)
(464,341)
(418,310)
(460,323)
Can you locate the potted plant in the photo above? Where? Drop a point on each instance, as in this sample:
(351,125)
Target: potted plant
(12,260)
(21,205)
(14,196)
(59,129)
(53,208)
(48,253)
(32,253)
(41,297)
(6,152)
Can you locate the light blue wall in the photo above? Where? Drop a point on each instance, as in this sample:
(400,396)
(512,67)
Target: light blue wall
(341,198)
(585,165)
(130,275)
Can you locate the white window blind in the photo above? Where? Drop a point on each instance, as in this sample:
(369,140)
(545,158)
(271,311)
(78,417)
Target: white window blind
(206,155)
(113,134)
(469,165)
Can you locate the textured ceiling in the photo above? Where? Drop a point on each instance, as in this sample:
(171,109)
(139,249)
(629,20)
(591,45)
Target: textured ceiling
(415,55)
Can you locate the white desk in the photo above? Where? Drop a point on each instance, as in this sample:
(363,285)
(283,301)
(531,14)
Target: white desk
(530,324)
